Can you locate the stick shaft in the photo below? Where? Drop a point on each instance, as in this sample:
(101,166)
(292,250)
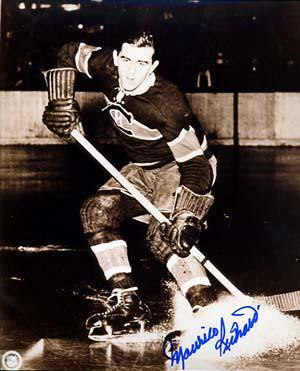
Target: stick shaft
(119,177)
(151,209)
(216,273)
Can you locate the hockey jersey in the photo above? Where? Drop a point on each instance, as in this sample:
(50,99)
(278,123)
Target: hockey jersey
(154,123)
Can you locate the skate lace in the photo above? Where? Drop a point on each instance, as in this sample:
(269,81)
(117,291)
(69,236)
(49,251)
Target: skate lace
(119,295)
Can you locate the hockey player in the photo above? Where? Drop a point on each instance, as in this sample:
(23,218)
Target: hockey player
(169,163)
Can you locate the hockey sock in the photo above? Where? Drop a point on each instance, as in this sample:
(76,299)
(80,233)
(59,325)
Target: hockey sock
(112,258)
(187,272)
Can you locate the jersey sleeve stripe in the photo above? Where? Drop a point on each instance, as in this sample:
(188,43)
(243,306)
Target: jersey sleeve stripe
(186,146)
(178,139)
(190,155)
(204,145)
(82,57)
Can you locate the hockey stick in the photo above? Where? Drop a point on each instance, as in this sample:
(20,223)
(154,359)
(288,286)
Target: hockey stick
(285,302)
(152,209)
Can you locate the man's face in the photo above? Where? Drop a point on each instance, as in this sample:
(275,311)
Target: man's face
(134,65)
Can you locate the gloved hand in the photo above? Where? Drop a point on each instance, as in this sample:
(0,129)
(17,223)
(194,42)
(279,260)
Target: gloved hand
(183,232)
(187,221)
(61,116)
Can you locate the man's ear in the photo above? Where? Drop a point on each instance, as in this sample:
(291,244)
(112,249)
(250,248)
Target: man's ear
(154,65)
(115,58)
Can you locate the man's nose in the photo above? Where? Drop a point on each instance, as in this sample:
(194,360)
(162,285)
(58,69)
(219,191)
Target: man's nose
(131,69)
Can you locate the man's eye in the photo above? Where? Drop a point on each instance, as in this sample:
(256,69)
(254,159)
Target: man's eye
(142,64)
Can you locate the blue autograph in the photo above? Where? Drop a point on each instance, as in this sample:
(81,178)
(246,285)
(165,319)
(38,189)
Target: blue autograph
(224,341)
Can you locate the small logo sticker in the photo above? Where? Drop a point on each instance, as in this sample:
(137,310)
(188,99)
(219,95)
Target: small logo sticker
(11,360)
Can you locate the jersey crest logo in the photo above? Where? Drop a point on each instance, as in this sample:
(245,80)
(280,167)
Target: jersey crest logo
(129,126)
(123,121)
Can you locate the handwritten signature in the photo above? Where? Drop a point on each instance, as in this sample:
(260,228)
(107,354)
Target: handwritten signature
(224,341)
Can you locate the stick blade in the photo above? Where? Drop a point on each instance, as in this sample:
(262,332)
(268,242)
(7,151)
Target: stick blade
(286,302)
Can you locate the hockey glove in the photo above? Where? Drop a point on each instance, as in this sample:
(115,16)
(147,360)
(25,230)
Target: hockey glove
(62,113)
(61,117)
(187,221)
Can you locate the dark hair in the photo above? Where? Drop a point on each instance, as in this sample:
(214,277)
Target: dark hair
(141,39)
(138,38)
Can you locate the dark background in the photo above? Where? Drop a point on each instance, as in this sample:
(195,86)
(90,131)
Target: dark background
(246,45)
(49,279)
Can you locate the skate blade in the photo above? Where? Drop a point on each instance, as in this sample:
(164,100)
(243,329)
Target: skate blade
(100,333)
(107,333)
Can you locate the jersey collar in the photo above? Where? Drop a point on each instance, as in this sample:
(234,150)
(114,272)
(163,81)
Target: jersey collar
(141,89)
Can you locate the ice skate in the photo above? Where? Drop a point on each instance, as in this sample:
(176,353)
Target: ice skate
(125,314)
(200,296)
